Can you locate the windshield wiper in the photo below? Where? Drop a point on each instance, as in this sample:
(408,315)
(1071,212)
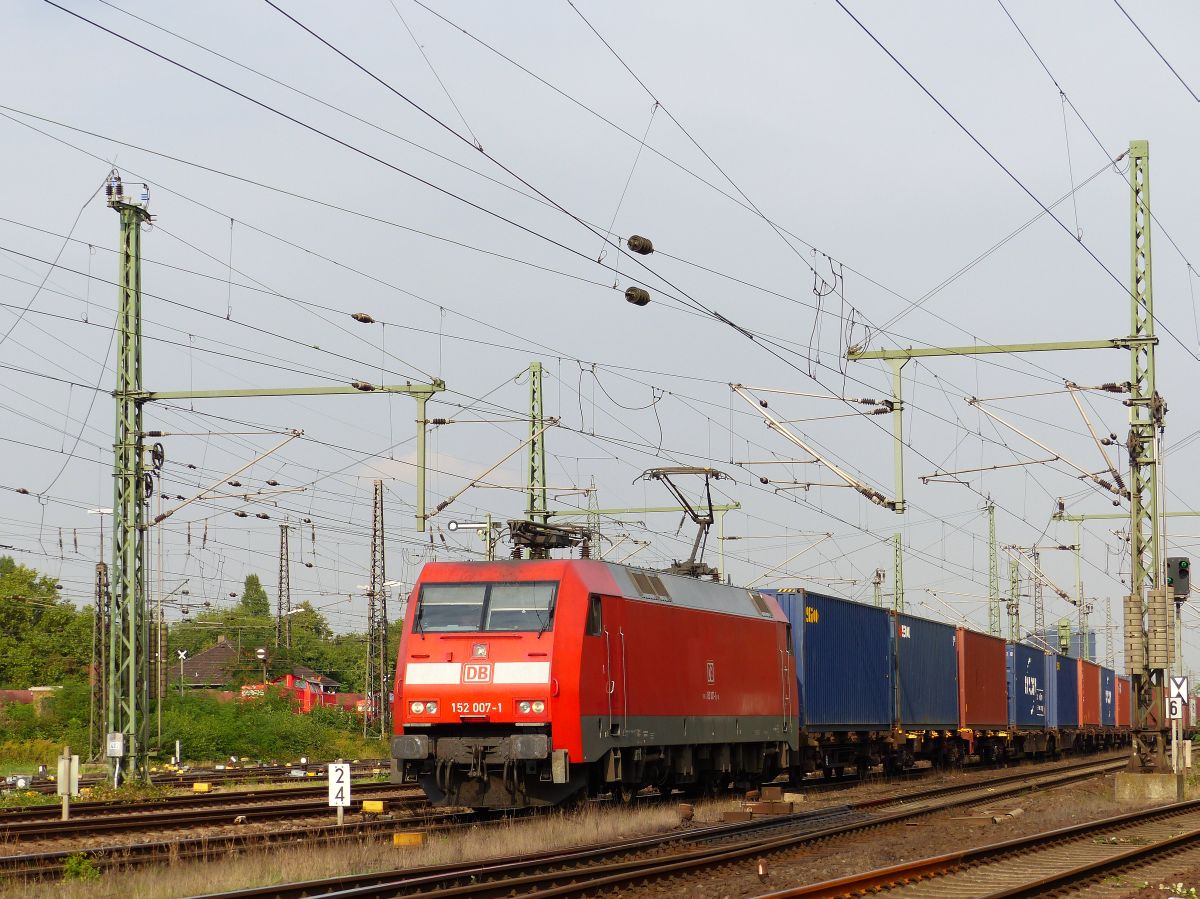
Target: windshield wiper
(549,617)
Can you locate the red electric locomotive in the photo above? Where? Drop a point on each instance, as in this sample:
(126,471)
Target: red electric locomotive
(527,682)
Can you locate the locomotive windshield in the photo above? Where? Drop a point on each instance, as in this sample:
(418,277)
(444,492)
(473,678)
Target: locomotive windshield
(522,606)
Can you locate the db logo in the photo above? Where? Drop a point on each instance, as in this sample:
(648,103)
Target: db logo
(475,673)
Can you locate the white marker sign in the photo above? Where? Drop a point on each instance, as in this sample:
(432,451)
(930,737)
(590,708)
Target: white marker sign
(1179,688)
(339,785)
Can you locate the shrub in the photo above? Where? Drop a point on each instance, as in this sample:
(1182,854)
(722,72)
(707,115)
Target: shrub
(80,867)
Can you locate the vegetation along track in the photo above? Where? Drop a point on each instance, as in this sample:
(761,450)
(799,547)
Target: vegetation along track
(1079,860)
(630,864)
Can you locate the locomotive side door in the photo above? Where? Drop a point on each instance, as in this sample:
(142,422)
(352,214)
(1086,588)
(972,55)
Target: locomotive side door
(612,610)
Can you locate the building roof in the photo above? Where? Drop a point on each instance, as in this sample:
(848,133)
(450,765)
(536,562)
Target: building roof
(212,667)
(315,677)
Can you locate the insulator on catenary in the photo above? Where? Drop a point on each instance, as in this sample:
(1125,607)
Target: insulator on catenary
(272,483)
(362,317)
(637,296)
(262,515)
(362,385)
(640,245)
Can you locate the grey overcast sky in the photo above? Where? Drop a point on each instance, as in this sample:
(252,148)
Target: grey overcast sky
(795,181)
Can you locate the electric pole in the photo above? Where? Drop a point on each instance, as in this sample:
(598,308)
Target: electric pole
(378,643)
(993,574)
(128,669)
(535,506)
(1039,597)
(1147,652)
(99,682)
(283,601)
(1014,602)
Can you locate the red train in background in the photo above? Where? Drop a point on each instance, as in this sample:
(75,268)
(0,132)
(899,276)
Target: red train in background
(527,682)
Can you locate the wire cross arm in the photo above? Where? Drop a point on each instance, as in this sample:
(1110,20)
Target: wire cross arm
(775,424)
(163,516)
(950,477)
(1083,473)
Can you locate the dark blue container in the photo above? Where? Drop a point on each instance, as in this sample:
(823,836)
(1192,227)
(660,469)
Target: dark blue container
(1108,698)
(927,662)
(1026,687)
(847,653)
(1062,679)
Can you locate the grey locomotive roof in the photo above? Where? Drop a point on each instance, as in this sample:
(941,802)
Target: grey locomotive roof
(688,592)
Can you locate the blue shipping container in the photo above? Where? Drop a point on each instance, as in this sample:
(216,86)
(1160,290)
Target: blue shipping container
(1108,698)
(846,651)
(927,662)
(1062,681)
(1026,686)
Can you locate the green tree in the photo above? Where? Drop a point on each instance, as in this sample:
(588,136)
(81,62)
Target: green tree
(254,601)
(44,638)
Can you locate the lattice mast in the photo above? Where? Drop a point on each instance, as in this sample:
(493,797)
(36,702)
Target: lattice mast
(128,658)
(379,642)
(1147,651)
(283,599)
(993,574)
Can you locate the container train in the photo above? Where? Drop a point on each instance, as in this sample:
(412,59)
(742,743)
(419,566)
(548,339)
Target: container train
(533,682)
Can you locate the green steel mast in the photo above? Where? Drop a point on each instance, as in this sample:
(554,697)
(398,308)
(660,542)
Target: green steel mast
(993,574)
(535,509)
(128,669)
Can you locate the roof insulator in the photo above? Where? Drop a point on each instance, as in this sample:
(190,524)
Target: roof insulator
(362,317)
(640,245)
(362,385)
(637,296)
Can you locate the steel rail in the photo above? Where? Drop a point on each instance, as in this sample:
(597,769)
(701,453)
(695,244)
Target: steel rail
(87,808)
(988,862)
(586,870)
(165,815)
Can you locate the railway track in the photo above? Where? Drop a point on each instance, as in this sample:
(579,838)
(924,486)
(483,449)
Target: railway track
(92,808)
(168,814)
(1068,861)
(210,848)
(226,775)
(630,864)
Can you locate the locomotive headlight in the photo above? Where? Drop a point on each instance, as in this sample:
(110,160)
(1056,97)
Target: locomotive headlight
(538,707)
(431,708)
(524,706)
(416,708)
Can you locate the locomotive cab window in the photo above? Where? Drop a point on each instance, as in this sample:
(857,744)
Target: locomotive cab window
(444,608)
(519,607)
(595,617)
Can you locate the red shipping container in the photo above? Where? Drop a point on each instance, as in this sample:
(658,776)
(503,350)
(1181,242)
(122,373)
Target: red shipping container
(982,697)
(1089,693)
(1124,702)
